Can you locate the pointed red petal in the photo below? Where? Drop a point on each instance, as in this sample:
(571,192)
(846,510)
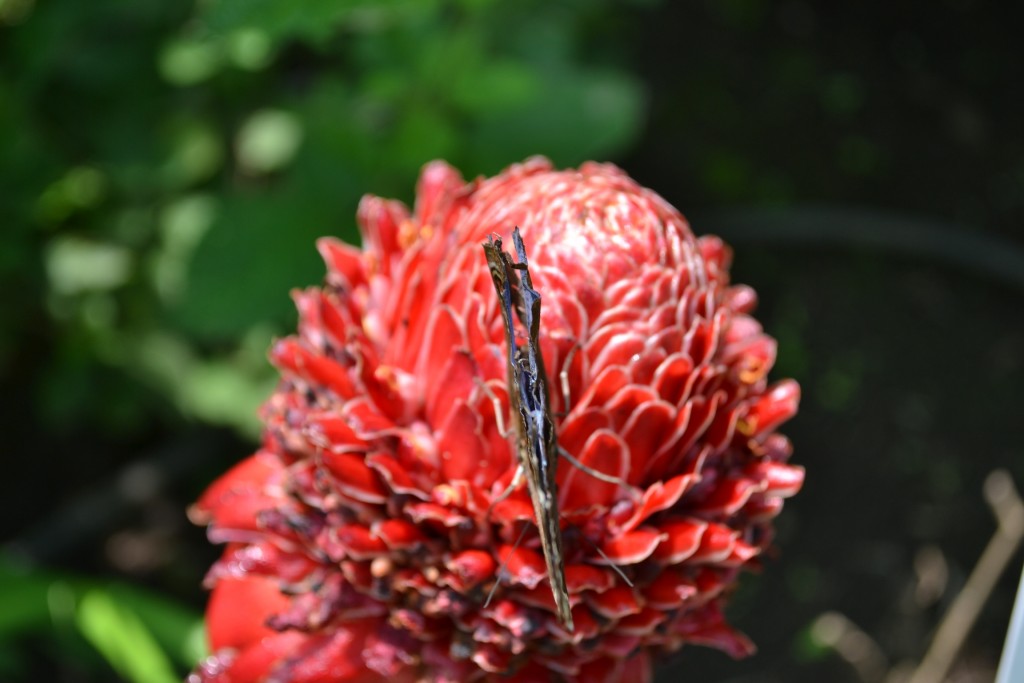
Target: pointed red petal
(256,662)
(523,566)
(516,508)
(722,429)
(473,567)
(249,479)
(354,477)
(398,534)
(604,452)
(771,409)
(615,603)
(438,185)
(331,431)
(586,577)
(631,547)
(645,431)
(441,514)
(603,387)
(716,544)
(627,401)
(642,623)
(780,480)
(707,626)
(585,626)
(444,336)
(725,638)
(672,378)
(458,371)
(342,657)
(730,495)
(396,476)
(635,669)
(364,417)
(291,357)
(660,496)
(239,608)
(742,552)
(381,221)
(343,261)
(459,444)
(682,540)
(669,591)
(358,542)
(578,426)
(761,509)
(618,352)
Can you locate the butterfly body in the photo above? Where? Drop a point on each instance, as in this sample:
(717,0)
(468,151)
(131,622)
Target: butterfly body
(536,437)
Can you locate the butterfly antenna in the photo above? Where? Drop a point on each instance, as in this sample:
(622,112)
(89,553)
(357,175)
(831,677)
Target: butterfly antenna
(563,377)
(504,563)
(611,564)
(591,471)
(503,430)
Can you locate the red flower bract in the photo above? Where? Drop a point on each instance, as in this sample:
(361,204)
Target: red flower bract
(363,538)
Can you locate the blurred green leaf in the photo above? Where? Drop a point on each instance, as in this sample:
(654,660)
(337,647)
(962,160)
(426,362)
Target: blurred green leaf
(197,153)
(250,48)
(187,61)
(230,391)
(183,223)
(842,94)
(495,87)
(727,174)
(177,631)
(838,384)
(117,632)
(421,134)
(259,248)
(575,116)
(858,156)
(76,265)
(14,11)
(139,633)
(268,140)
(313,20)
(807,647)
(25,602)
(81,188)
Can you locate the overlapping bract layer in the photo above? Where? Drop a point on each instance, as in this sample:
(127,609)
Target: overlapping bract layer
(361,539)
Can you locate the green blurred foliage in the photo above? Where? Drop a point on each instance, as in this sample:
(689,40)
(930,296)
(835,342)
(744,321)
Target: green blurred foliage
(174,165)
(143,637)
(166,168)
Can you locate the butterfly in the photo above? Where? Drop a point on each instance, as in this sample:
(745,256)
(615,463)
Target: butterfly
(537,439)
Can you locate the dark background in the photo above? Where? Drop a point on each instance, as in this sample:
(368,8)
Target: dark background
(165,168)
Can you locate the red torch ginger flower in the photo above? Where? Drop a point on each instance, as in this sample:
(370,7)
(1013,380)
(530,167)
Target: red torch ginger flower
(363,538)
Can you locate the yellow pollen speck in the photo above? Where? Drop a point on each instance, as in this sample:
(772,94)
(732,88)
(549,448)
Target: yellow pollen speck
(386,374)
(746,426)
(372,264)
(380,567)
(407,234)
(754,371)
(421,448)
(445,494)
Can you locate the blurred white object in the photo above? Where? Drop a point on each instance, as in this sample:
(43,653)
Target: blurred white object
(1011,665)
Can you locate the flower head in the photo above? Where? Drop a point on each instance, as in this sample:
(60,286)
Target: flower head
(365,535)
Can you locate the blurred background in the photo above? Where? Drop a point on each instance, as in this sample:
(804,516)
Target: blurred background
(165,166)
